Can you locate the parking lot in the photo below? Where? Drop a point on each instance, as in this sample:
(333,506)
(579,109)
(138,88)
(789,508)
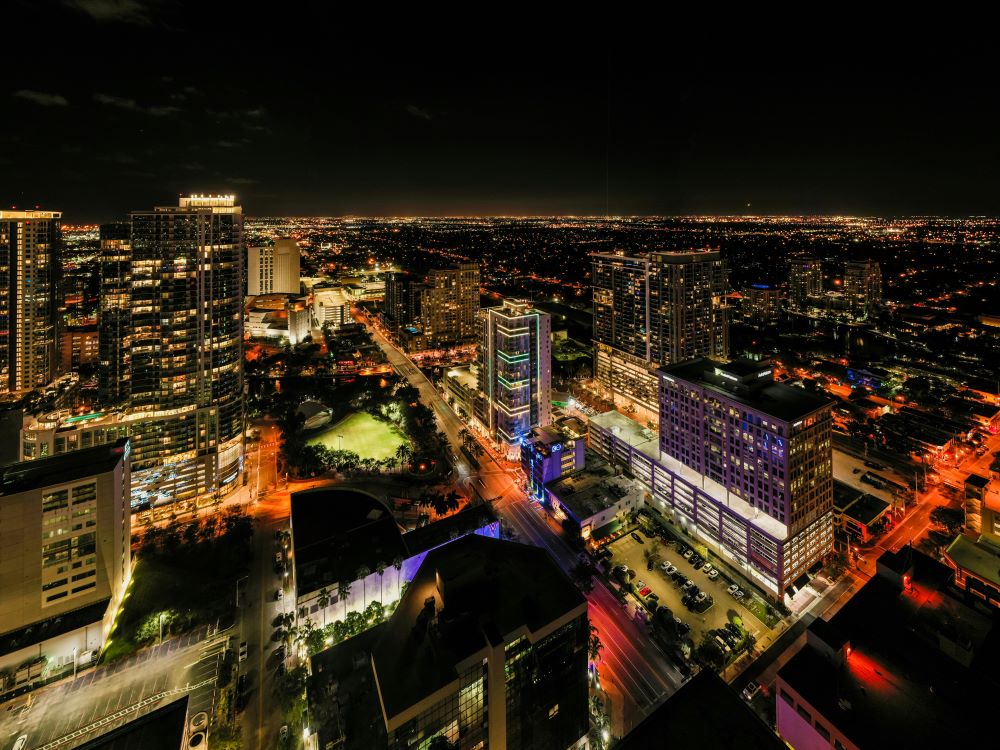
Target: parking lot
(724,608)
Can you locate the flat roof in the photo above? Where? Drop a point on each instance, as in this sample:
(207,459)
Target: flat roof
(65,467)
(488,590)
(784,402)
(901,686)
(637,436)
(844,494)
(336,531)
(977,480)
(866,509)
(979,557)
(704,713)
(466,521)
(592,489)
(162,729)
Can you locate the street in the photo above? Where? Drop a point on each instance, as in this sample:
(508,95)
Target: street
(631,663)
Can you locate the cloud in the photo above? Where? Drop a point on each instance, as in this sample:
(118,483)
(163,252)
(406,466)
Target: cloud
(133,12)
(133,106)
(193,166)
(228,144)
(255,112)
(415,111)
(40,97)
(242,180)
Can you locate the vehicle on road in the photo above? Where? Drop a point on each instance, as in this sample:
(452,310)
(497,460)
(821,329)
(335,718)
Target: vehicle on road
(636,536)
(751,690)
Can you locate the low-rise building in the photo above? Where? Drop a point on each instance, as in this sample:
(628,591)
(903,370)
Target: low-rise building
(331,307)
(343,560)
(859,515)
(594,499)
(977,561)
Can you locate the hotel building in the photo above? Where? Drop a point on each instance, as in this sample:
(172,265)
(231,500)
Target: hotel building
(274,269)
(741,462)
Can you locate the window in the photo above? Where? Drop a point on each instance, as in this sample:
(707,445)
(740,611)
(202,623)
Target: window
(823,731)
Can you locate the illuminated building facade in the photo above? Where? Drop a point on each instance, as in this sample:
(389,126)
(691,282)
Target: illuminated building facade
(549,453)
(402,300)
(653,310)
(449,302)
(65,534)
(862,287)
(762,304)
(29,274)
(515,371)
(186,396)
(274,269)
(805,282)
(114,316)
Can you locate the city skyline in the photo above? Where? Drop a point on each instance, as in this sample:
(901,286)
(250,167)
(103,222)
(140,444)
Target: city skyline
(541,121)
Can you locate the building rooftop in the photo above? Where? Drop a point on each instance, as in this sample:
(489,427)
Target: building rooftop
(466,595)
(866,509)
(919,660)
(162,729)
(592,489)
(748,383)
(844,494)
(335,532)
(977,480)
(648,443)
(979,557)
(450,527)
(704,713)
(66,467)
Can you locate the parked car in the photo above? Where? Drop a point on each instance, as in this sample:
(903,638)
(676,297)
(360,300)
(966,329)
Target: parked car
(681,580)
(700,597)
(732,589)
(278,595)
(688,553)
(713,574)
(670,569)
(682,627)
(738,594)
(688,584)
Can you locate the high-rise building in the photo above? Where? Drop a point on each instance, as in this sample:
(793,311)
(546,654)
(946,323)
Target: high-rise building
(805,282)
(29,275)
(762,304)
(550,452)
(652,310)
(742,462)
(449,301)
(65,534)
(274,269)
(402,300)
(487,648)
(186,397)
(114,315)
(862,287)
(515,371)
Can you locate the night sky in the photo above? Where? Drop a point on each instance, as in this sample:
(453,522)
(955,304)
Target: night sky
(111,105)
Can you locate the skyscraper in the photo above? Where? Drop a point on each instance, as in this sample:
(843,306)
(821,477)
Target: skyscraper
(29,274)
(114,316)
(652,310)
(862,287)
(402,299)
(805,281)
(186,399)
(515,371)
(274,269)
(449,302)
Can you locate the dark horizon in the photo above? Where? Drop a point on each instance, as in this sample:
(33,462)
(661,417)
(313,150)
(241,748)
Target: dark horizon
(126,103)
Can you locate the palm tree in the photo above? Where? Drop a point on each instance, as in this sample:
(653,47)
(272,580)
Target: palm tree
(324,602)
(380,569)
(397,563)
(343,592)
(451,500)
(594,644)
(363,572)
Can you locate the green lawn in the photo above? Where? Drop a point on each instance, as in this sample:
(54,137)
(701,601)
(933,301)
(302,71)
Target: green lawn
(364,435)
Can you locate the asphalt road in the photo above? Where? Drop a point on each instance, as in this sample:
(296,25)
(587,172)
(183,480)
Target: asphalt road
(630,660)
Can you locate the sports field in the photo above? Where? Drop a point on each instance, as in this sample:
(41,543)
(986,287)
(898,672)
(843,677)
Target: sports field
(362,434)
